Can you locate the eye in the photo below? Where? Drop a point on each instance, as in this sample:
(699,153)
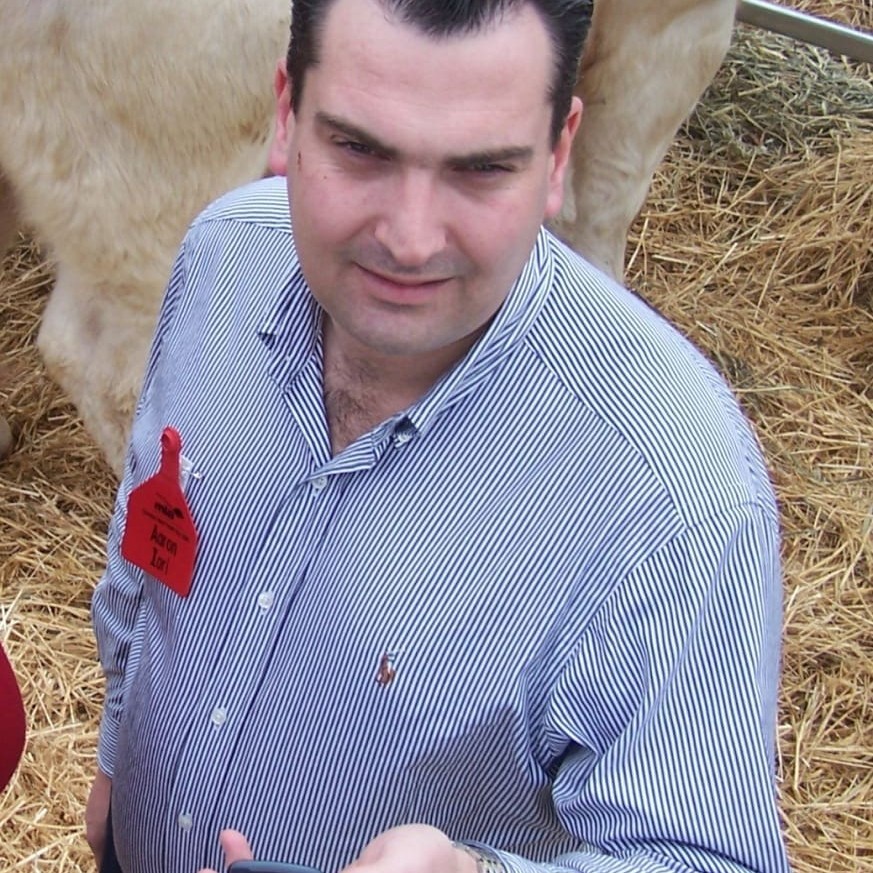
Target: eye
(354,147)
(487,169)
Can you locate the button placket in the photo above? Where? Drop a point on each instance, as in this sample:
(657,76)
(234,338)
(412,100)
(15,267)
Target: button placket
(250,639)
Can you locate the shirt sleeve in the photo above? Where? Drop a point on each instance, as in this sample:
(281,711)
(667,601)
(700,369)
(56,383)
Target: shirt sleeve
(662,725)
(116,599)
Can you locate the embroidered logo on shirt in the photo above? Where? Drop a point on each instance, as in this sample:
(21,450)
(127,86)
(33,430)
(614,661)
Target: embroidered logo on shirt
(386,671)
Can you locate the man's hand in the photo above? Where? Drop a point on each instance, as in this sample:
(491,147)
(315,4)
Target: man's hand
(413,849)
(97,815)
(405,849)
(235,847)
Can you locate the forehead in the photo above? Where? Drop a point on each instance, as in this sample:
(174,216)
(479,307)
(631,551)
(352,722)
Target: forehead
(491,83)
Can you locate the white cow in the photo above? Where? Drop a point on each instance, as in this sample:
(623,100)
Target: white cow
(646,63)
(121,120)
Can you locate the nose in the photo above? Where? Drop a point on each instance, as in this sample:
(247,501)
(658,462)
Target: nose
(411,226)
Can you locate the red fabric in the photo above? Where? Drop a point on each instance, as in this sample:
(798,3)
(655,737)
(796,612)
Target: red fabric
(12,727)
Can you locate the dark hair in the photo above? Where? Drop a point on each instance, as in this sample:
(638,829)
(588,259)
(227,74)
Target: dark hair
(567,22)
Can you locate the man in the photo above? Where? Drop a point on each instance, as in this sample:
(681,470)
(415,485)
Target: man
(486,556)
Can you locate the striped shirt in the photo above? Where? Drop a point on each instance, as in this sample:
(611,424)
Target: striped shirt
(539,609)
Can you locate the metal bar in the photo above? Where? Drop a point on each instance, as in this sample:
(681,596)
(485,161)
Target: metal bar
(808,28)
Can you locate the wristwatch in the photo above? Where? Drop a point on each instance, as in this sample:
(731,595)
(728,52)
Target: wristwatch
(484,863)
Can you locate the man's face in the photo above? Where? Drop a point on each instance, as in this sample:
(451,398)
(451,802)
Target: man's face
(419,172)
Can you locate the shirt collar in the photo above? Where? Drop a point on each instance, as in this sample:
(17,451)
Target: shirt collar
(291,328)
(507,329)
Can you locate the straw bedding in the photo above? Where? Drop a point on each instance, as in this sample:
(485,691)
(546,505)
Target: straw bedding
(756,241)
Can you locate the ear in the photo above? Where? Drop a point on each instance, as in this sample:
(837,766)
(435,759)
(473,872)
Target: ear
(277,159)
(560,158)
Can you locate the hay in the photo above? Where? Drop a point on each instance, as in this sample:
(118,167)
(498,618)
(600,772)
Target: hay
(756,240)
(55,495)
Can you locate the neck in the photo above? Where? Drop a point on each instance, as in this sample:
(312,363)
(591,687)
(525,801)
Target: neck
(363,387)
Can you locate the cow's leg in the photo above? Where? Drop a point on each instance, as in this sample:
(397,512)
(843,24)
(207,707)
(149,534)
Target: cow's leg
(94,342)
(8,215)
(645,65)
(8,226)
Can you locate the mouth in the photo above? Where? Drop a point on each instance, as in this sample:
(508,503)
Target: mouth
(402,288)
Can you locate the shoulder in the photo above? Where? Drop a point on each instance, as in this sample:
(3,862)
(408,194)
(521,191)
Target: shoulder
(236,263)
(242,236)
(241,246)
(649,384)
(262,203)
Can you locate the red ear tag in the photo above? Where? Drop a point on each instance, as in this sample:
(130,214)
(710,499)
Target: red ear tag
(159,536)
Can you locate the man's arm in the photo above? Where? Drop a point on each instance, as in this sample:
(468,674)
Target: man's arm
(663,724)
(114,610)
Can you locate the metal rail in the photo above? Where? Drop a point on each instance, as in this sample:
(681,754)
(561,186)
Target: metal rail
(808,28)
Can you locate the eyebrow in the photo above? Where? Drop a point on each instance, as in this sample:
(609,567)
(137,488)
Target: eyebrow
(324,119)
(518,154)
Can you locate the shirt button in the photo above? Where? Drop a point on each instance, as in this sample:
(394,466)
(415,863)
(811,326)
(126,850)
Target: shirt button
(402,438)
(219,716)
(319,483)
(185,821)
(265,600)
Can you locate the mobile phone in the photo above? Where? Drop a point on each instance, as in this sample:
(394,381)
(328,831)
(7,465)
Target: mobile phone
(268,867)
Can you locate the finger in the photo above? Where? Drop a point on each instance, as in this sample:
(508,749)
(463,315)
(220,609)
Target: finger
(235,846)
